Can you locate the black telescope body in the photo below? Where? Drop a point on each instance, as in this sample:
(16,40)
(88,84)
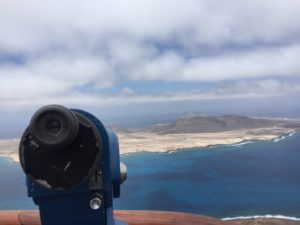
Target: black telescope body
(72,166)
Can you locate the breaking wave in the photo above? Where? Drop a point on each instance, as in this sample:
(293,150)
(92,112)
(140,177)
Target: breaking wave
(279,139)
(291,134)
(284,137)
(262,217)
(241,143)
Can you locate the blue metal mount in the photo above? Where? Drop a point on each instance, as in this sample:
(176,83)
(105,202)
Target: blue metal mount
(73,184)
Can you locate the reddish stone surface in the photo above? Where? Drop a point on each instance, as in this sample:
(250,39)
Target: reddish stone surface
(144,218)
(131,217)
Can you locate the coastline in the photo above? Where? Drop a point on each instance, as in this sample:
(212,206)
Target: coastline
(9,149)
(136,142)
(12,156)
(131,143)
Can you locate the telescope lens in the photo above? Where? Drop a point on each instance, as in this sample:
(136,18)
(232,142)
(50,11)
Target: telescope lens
(54,127)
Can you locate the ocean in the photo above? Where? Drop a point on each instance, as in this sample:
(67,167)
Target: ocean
(246,179)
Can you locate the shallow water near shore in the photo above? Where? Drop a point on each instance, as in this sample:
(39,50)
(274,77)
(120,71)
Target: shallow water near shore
(256,178)
(13,192)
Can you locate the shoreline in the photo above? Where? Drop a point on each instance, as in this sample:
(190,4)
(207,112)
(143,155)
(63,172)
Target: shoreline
(148,142)
(245,142)
(14,157)
(139,142)
(9,149)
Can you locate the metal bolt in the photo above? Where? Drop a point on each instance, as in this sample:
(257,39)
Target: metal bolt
(123,172)
(95,203)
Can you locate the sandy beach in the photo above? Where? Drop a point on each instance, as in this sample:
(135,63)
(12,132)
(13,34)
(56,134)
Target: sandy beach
(134,142)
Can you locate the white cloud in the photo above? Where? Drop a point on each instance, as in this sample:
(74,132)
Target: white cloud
(59,77)
(34,24)
(279,62)
(260,88)
(276,61)
(241,89)
(66,45)
(127,91)
(52,77)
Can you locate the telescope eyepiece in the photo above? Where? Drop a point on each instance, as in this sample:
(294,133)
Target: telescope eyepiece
(72,166)
(60,148)
(54,127)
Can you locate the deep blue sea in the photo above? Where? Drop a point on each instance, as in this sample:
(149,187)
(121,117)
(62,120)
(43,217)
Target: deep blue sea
(255,178)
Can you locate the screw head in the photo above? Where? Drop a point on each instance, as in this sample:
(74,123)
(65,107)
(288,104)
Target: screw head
(95,203)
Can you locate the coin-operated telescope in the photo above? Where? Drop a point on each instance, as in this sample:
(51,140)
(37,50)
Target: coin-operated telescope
(72,166)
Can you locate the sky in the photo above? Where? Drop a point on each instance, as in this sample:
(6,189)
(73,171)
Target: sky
(129,61)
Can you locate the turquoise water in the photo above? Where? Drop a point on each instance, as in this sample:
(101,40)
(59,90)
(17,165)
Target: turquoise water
(12,186)
(226,181)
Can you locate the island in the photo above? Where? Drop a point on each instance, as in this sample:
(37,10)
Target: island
(192,131)
(188,132)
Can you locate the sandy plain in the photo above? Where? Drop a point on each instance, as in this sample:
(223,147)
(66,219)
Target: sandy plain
(151,142)
(134,142)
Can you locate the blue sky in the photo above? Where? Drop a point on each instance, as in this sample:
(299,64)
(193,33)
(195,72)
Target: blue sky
(149,58)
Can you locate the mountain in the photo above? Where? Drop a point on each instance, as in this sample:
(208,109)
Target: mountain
(188,115)
(118,129)
(203,124)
